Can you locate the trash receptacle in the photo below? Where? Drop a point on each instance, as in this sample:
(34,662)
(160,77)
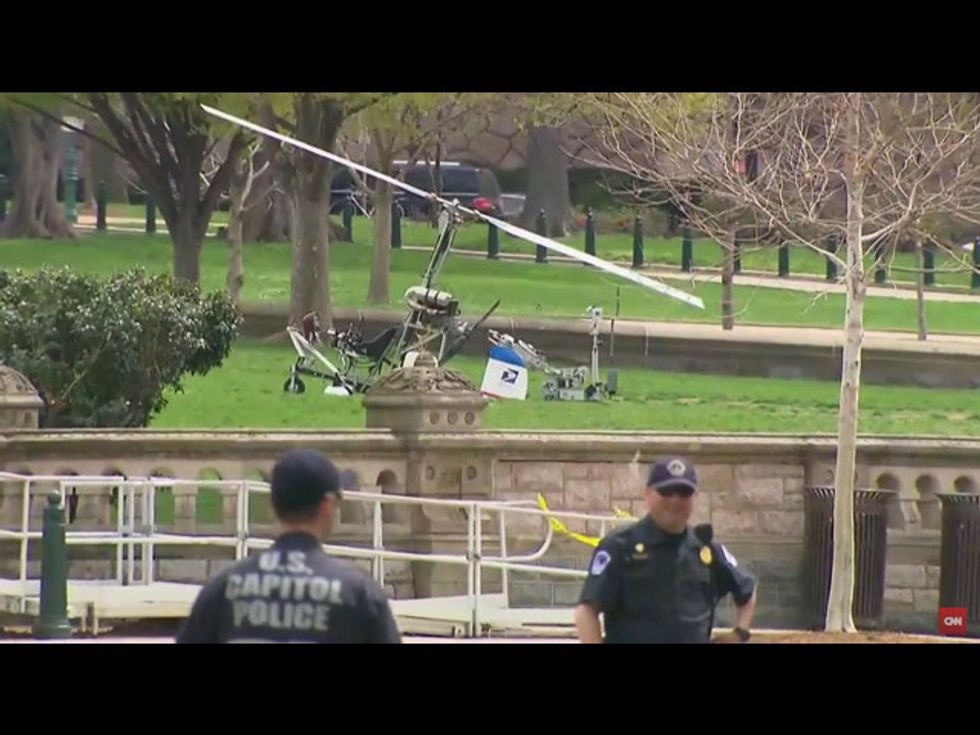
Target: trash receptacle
(959,556)
(870,550)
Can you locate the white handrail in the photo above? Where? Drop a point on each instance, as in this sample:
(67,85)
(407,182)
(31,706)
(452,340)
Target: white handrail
(130,534)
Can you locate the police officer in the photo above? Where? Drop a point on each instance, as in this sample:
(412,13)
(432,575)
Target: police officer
(658,580)
(294,592)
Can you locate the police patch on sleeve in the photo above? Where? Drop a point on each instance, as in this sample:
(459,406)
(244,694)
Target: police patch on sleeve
(600,562)
(728,556)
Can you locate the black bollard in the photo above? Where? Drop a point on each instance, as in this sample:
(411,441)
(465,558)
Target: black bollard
(687,252)
(541,255)
(638,243)
(589,232)
(975,277)
(53,621)
(348,219)
(101,205)
(831,246)
(396,226)
(493,241)
(881,270)
(151,215)
(928,264)
(784,260)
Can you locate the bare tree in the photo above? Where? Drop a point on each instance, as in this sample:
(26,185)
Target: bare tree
(547,182)
(167,139)
(243,179)
(402,125)
(864,168)
(920,290)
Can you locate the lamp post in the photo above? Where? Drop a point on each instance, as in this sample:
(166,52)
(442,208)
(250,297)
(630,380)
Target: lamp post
(71,168)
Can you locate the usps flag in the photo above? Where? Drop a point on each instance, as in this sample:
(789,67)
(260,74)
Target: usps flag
(505,375)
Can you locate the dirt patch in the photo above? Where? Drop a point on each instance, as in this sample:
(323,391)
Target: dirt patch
(859,637)
(120,629)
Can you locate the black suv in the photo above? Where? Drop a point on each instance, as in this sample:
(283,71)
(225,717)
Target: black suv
(476,188)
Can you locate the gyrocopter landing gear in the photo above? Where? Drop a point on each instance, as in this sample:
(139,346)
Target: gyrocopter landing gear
(294,384)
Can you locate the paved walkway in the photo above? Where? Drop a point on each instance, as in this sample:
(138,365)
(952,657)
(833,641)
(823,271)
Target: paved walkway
(901,341)
(760,637)
(406,639)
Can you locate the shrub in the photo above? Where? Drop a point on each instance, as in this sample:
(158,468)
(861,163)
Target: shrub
(102,352)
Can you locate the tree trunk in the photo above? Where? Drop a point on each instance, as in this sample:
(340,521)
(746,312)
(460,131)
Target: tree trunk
(310,285)
(269,219)
(166,146)
(36,145)
(728,283)
(378,291)
(50,212)
(236,265)
(840,605)
(920,289)
(187,241)
(547,183)
(317,121)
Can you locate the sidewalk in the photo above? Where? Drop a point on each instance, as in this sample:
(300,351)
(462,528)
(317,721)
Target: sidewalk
(759,637)
(815,336)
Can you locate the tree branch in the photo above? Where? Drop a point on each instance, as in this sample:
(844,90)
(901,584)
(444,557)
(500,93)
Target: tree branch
(54,118)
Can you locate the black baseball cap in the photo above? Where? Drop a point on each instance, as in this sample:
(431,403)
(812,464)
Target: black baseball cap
(302,478)
(672,472)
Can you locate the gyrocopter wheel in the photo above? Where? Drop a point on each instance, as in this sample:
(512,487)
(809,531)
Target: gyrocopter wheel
(294,384)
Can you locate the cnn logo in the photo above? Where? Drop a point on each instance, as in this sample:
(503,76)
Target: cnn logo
(952,620)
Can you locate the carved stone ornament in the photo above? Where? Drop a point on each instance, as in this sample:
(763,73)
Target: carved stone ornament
(20,404)
(424,379)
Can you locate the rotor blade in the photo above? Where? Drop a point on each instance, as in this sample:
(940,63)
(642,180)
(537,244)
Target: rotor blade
(592,260)
(520,232)
(319,152)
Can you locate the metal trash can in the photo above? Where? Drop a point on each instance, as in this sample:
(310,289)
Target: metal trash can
(870,549)
(959,557)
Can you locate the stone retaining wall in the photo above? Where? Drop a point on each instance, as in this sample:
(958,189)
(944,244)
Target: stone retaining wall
(752,493)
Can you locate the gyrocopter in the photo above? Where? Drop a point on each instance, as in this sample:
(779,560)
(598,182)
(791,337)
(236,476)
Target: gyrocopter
(433,323)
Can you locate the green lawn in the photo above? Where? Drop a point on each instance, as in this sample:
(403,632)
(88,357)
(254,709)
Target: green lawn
(138,211)
(555,289)
(708,254)
(619,248)
(247,392)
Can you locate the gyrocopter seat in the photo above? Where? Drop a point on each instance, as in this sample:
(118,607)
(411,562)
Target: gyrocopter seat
(377,347)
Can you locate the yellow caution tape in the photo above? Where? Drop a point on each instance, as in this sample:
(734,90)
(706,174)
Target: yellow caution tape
(562,529)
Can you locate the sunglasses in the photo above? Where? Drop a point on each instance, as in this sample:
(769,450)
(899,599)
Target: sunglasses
(675,491)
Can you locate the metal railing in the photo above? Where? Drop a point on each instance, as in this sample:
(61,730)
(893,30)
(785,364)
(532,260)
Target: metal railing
(140,530)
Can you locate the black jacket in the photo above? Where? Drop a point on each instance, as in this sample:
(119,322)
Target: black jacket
(292,593)
(656,587)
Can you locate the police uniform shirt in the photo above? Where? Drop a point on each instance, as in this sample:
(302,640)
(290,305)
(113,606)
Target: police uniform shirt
(657,587)
(294,592)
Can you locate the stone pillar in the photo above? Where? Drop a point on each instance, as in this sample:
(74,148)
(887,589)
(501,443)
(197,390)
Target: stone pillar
(428,399)
(20,409)
(20,404)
